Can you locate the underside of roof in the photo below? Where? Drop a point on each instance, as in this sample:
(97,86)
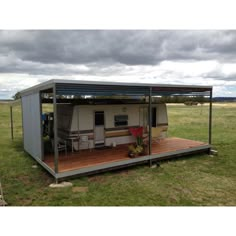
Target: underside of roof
(111,90)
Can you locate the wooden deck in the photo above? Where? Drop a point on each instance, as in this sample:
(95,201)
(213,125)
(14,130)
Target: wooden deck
(86,158)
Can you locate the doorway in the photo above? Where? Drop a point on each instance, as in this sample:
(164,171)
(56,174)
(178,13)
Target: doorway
(154,117)
(99,137)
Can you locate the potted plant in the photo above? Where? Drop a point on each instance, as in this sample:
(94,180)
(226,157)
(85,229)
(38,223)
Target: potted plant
(139,147)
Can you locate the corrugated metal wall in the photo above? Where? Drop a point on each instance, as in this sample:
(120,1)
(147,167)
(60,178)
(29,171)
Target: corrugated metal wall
(31,125)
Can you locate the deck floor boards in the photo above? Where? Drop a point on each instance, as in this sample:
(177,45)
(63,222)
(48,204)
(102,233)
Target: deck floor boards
(86,158)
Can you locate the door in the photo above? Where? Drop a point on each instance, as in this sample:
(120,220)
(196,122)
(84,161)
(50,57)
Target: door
(143,116)
(99,137)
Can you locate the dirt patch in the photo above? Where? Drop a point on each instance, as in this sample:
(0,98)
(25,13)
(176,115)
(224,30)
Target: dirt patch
(97,179)
(26,202)
(103,178)
(80,189)
(125,172)
(142,178)
(24,179)
(173,199)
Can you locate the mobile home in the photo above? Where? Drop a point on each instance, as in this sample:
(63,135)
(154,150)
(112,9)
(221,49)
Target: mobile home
(107,124)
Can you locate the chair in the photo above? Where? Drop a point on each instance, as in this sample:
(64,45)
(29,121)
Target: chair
(84,139)
(156,134)
(61,145)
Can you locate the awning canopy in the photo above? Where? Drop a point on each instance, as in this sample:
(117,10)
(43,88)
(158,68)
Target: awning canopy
(116,90)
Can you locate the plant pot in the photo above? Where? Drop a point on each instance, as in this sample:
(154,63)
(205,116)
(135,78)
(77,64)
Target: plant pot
(131,154)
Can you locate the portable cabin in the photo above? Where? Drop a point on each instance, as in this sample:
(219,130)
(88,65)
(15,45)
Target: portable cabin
(74,127)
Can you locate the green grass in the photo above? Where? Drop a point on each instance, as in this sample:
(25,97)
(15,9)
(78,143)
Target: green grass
(196,180)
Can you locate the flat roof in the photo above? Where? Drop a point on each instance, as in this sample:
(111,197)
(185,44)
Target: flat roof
(158,87)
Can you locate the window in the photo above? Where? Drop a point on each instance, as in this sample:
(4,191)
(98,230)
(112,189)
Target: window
(99,118)
(121,120)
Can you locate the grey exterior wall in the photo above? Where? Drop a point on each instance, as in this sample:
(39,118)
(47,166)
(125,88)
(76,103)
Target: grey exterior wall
(32,125)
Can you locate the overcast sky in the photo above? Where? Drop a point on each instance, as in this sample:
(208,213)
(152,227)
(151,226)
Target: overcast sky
(168,57)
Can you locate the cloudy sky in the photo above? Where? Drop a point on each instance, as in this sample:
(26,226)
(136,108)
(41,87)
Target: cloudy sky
(154,56)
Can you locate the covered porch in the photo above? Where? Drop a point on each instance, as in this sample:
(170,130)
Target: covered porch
(71,93)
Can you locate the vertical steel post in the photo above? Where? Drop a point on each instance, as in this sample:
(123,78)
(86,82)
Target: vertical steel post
(11,118)
(210,119)
(41,125)
(150,123)
(55,129)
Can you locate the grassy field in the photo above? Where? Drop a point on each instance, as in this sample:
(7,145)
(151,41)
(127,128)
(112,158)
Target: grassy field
(198,180)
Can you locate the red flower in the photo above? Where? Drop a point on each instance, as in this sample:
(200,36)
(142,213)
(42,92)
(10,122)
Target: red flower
(137,132)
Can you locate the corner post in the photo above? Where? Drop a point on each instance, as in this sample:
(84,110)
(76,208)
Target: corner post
(55,129)
(11,118)
(41,124)
(150,124)
(210,119)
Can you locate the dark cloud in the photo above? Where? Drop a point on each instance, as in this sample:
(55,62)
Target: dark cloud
(48,52)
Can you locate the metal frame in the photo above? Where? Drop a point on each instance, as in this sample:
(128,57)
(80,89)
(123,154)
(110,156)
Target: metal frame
(158,87)
(150,124)
(41,125)
(95,87)
(50,83)
(37,88)
(55,136)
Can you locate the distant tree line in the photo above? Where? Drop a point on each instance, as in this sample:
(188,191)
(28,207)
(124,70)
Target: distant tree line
(224,99)
(193,100)
(16,96)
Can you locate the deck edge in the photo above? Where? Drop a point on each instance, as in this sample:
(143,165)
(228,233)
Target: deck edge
(130,162)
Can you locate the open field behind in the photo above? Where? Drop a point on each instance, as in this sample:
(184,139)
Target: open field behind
(196,180)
